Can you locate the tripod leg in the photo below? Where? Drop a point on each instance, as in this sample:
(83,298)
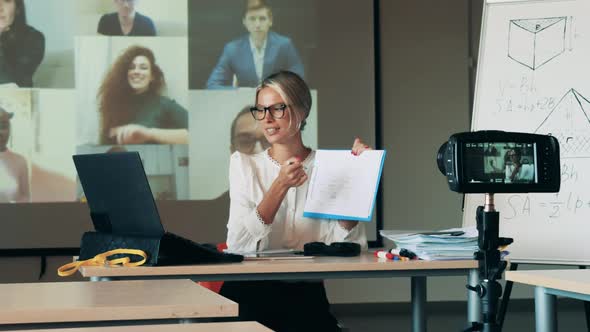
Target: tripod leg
(473,299)
(506,298)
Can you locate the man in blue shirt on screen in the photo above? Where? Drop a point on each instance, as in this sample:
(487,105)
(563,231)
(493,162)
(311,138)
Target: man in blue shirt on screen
(247,60)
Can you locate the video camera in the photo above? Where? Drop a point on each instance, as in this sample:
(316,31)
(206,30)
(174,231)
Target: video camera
(491,162)
(500,162)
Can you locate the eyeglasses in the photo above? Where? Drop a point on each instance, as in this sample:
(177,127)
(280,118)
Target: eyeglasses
(276,111)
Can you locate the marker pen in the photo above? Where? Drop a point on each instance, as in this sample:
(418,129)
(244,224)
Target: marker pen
(383,254)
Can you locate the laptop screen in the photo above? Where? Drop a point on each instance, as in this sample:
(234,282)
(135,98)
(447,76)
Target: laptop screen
(118,194)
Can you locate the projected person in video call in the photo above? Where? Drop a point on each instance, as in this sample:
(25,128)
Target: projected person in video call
(14,173)
(516,170)
(132,107)
(22,47)
(246,135)
(246,60)
(267,196)
(491,150)
(126,21)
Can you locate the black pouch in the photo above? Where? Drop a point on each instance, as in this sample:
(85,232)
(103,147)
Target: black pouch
(342,249)
(169,249)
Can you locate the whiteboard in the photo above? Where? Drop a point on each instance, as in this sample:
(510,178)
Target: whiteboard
(534,76)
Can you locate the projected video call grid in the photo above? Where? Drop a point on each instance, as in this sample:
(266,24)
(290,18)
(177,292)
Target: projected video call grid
(506,162)
(173,85)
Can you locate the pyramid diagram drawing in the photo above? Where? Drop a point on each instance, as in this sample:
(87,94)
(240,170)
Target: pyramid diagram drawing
(534,42)
(570,124)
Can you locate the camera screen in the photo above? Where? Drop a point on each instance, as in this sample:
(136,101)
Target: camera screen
(500,162)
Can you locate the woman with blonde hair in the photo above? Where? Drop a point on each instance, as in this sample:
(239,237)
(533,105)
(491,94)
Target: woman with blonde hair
(267,195)
(133,109)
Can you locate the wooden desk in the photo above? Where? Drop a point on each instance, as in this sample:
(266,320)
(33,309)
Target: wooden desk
(548,285)
(45,303)
(201,327)
(364,266)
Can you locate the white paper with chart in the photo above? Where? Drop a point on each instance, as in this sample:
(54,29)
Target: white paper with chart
(344,186)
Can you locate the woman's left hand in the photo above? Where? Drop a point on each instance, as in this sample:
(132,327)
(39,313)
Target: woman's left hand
(358,147)
(131,134)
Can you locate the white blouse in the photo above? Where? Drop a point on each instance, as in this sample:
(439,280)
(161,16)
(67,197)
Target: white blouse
(250,177)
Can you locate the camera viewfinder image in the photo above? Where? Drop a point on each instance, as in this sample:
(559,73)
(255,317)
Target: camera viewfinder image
(501,162)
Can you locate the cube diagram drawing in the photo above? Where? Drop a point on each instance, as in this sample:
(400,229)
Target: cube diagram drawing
(535,42)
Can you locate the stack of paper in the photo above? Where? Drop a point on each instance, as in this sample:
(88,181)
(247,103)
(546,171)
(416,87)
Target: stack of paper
(450,244)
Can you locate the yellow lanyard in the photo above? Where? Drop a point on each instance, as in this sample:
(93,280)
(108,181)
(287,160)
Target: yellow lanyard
(102,260)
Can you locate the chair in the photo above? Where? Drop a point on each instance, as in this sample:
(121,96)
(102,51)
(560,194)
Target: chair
(214,286)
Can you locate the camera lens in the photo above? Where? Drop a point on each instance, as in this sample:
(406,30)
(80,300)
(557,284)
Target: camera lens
(440,158)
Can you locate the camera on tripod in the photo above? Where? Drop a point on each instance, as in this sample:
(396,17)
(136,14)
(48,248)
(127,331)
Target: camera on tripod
(500,162)
(493,162)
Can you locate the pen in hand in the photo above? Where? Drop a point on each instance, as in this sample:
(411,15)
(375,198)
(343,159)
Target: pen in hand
(292,173)
(291,162)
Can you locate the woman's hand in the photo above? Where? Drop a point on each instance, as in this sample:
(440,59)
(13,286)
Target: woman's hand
(292,174)
(131,134)
(358,147)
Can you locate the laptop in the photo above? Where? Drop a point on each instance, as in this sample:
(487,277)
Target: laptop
(118,194)
(121,203)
